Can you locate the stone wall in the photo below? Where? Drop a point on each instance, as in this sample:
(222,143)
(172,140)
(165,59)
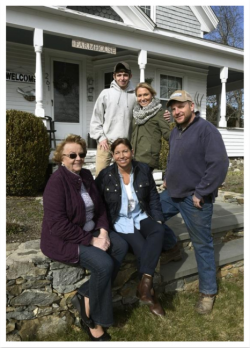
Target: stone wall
(39,290)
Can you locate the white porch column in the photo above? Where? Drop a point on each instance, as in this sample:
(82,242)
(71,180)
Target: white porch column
(142,61)
(38,45)
(223,77)
(218,100)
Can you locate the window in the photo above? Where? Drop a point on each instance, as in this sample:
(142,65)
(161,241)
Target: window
(168,84)
(108,78)
(146,9)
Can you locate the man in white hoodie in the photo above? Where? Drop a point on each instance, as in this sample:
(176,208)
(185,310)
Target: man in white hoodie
(112,114)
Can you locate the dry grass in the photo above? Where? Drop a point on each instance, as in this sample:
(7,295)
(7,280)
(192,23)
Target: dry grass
(182,323)
(24,218)
(234,182)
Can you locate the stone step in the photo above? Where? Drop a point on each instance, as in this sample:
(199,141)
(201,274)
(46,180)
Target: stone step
(225,253)
(226,217)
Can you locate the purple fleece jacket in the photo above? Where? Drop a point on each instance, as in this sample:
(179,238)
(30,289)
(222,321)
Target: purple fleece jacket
(65,216)
(197,160)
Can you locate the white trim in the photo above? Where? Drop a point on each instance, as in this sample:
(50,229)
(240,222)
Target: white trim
(56,56)
(153,13)
(163,71)
(134,16)
(206,17)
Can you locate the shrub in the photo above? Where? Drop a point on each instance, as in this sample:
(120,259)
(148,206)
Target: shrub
(164,150)
(27,153)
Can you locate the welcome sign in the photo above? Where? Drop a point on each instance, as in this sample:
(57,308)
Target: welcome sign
(19,77)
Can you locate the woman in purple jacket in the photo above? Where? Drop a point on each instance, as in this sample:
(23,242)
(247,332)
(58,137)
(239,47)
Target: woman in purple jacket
(75,231)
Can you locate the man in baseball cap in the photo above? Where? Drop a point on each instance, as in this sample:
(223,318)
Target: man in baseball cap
(179,95)
(197,165)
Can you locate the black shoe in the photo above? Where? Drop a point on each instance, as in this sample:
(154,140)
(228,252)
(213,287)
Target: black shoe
(104,337)
(79,304)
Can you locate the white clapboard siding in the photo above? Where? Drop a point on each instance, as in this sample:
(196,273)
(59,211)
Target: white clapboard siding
(20,59)
(180,19)
(234,141)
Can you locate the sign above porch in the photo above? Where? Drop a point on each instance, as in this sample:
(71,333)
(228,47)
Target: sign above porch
(93,47)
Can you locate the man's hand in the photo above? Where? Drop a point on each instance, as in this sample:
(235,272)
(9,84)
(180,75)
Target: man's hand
(167,115)
(104,144)
(164,184)
(197,202)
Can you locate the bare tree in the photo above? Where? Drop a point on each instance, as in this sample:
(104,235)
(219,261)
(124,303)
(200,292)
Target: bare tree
(229,32)
(230,28)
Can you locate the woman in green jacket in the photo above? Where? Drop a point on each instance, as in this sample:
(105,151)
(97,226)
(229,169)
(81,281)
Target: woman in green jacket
(149,126)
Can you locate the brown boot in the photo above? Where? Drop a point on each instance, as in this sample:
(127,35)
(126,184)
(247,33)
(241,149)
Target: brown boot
(144,289)
(173,254)
(156,308)
(205,304)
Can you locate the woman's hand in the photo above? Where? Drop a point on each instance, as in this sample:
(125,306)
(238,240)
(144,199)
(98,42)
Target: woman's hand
(104,233)
(100,243)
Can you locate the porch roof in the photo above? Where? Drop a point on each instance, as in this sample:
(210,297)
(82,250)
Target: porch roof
(172,47)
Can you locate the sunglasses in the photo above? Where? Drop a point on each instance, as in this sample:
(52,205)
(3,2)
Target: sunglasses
(74,155)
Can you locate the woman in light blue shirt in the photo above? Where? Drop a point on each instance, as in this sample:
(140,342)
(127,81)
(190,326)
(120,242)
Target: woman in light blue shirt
(134,212)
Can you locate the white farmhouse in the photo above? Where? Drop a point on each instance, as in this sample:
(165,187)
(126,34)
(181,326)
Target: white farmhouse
(59,58)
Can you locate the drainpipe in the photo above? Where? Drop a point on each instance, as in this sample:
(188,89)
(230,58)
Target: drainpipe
(142,61)
(223,77)
(38,46)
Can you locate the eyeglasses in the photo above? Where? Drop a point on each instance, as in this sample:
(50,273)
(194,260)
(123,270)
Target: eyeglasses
(74,155)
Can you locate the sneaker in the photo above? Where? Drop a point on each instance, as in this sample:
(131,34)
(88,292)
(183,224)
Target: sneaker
(205,304)
(173,254)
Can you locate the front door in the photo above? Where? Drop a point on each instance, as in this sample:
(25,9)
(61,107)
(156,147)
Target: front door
(65,98)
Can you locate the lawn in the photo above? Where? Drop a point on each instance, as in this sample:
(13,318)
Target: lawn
(182,323)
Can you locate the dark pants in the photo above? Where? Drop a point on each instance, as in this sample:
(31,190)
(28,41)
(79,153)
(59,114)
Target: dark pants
(104,267)
(146,244)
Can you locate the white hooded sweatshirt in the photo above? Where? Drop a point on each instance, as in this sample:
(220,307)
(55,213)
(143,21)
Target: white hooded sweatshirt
(112,114)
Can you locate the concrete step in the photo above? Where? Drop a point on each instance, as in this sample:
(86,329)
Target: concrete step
(225,253)
(226,217)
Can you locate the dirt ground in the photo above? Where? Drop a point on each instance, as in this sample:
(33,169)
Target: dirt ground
(24,219)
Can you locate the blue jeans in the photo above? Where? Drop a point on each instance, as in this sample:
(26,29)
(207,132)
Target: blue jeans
(146,244)
(198,222)
(104,267)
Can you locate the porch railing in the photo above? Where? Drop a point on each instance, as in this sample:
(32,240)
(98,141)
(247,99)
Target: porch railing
(234,141)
